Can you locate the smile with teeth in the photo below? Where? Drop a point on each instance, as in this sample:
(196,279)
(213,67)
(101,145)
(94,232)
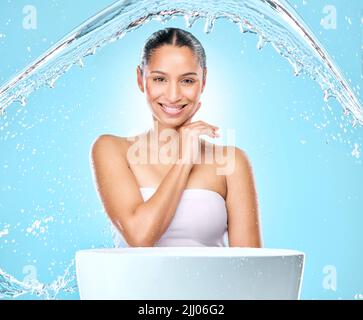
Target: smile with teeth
(172,109)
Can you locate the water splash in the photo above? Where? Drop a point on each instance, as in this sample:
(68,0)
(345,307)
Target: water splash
(190,19)
(261,42)
(11,287)
(274,21)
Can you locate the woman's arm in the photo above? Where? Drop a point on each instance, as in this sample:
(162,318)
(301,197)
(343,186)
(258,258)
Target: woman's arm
(241,203)
(141,223)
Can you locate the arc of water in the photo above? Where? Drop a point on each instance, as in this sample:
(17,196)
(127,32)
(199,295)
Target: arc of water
(275,21)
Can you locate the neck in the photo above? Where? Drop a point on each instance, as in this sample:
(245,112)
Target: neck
(162,133)
(164,137)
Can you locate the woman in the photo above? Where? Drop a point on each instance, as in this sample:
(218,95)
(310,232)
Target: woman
(165,187)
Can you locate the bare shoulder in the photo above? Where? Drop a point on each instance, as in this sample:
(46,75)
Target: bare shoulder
(108,139)
(226,158)
(108,145)
(236,153)
(238,161)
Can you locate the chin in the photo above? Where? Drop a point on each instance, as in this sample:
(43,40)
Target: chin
(173,122)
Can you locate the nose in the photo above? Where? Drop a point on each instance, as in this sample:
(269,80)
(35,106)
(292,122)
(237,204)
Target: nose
(173,92)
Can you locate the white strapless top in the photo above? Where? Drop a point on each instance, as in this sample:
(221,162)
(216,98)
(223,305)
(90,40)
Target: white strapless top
(200,220)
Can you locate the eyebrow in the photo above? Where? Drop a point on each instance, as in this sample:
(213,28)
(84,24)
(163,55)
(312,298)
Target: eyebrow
(185,74)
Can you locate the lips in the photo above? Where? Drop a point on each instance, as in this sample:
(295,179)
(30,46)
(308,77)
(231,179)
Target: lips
(172,109)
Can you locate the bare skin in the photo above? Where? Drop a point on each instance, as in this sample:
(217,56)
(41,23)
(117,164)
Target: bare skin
(119,177)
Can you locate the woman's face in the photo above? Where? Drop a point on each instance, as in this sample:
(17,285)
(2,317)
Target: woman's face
(173,83)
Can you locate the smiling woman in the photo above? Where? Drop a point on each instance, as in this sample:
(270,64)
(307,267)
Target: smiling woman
(156,81)
(177,191)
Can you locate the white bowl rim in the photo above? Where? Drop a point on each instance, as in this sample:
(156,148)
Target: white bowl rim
(194,251)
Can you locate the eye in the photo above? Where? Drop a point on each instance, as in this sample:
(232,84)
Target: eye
(188,81)
(158,79)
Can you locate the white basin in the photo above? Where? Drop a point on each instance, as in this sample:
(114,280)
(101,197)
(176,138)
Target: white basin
(189,273)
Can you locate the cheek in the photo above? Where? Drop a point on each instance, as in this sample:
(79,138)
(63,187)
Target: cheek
(153,91)
(192,92)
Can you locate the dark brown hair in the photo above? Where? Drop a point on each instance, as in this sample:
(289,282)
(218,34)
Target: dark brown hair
(172,36)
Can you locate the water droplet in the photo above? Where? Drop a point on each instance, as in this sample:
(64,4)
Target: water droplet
(190,19)
(247,27)
(2,112)
(241,27)
(297,69)
(119,35)
(327,94)
(163,18)
(22,100)
(51,83)
(355,152)
(80,62)
(354,123)
(261,42)
(346,111)
(209,24)
(91,52)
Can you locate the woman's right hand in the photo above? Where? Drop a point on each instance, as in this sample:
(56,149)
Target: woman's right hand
(189,143)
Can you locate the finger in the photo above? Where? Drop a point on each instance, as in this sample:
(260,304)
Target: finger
(207,131)
(215,133)
(207,125)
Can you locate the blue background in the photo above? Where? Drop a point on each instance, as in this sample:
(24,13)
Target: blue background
(308,182)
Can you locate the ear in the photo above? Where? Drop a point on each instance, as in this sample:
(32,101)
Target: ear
(140,80)
(204,80)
